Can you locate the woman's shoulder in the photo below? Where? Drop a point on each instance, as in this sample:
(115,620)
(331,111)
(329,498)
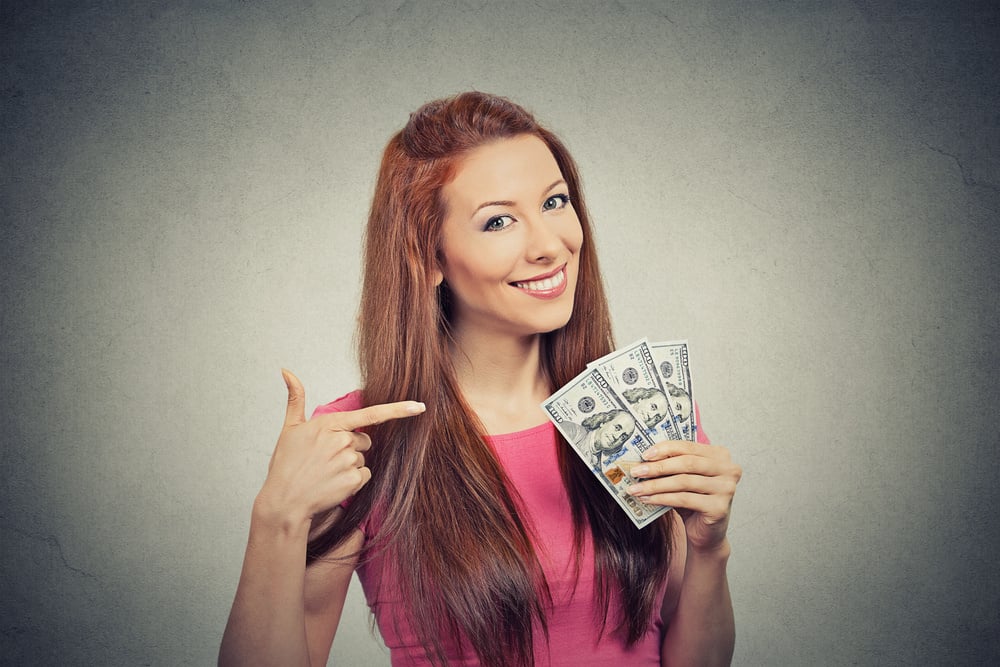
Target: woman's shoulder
(349,401)
(700,435)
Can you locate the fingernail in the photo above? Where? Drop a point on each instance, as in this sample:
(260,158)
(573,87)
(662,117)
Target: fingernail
(650,453)
(634,489)
(639,471)
(415,408)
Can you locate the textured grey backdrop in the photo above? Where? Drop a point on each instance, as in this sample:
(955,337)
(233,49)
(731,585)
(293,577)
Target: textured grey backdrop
(809,192)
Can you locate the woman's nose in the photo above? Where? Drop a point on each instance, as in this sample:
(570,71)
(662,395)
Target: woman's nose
(544,245)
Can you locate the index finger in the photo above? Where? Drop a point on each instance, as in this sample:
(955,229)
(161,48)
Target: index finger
(373,414)
(669,448)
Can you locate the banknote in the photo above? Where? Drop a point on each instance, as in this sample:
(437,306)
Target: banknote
(672,363)
(633,375)
(596,423)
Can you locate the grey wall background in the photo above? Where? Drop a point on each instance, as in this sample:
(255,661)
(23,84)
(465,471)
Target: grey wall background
(809,192)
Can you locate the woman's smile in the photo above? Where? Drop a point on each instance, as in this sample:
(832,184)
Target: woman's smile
(547,286)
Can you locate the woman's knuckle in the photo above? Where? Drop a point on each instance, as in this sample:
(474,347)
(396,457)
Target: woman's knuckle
(353,478)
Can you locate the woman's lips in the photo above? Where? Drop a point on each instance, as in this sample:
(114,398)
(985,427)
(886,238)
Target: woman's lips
(545,288)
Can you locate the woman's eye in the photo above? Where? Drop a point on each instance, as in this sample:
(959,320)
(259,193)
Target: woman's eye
(498,222)
(555,202)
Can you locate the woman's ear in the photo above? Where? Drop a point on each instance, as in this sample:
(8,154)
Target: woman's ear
(437,276)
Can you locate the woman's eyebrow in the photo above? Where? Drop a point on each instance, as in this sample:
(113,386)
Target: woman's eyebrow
(493,203)
(507,202)
(561,181)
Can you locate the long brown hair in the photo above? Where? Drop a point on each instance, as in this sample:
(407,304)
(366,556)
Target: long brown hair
(450,521)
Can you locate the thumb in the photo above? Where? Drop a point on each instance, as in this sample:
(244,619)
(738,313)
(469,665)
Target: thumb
(295,413)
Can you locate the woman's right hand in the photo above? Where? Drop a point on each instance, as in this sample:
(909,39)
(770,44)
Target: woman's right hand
(319,463)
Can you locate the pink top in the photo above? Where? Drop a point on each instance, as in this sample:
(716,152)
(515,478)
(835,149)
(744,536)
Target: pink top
(530,459)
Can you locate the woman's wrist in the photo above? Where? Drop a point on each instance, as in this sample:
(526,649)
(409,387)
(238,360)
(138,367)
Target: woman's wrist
(715,553)
(267,517)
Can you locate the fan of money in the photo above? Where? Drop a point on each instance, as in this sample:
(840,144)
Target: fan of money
(620,406)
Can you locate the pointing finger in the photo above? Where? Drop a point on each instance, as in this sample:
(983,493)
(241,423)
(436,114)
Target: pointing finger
(295,413)
(373,414)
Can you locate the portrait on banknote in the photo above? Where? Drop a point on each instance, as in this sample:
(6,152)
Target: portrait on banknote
(648,404)
(680,402)
(610,441)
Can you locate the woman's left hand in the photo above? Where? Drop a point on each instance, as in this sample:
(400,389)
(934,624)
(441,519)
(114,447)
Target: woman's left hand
(697,480)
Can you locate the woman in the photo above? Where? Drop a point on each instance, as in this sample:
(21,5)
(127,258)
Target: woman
(498,549)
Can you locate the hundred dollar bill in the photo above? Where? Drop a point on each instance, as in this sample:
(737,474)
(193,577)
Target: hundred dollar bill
(605,435)
(672,364)
(631,372)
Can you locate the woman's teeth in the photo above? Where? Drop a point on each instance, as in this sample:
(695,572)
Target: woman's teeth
(542,285)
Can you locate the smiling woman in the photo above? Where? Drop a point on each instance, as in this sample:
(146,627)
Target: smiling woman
(435,481)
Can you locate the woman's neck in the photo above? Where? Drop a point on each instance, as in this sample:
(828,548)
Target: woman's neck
(502,379)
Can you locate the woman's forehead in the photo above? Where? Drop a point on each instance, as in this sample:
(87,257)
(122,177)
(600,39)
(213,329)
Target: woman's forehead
(506,170)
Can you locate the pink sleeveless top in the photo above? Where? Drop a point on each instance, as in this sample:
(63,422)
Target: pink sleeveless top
(530,459)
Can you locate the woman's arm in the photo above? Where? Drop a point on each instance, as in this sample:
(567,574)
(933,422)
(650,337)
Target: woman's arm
(697,610)
(699,481)
(284,613)
(326,586)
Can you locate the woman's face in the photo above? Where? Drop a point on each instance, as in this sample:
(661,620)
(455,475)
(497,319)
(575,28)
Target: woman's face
(612,435)
(511,240)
